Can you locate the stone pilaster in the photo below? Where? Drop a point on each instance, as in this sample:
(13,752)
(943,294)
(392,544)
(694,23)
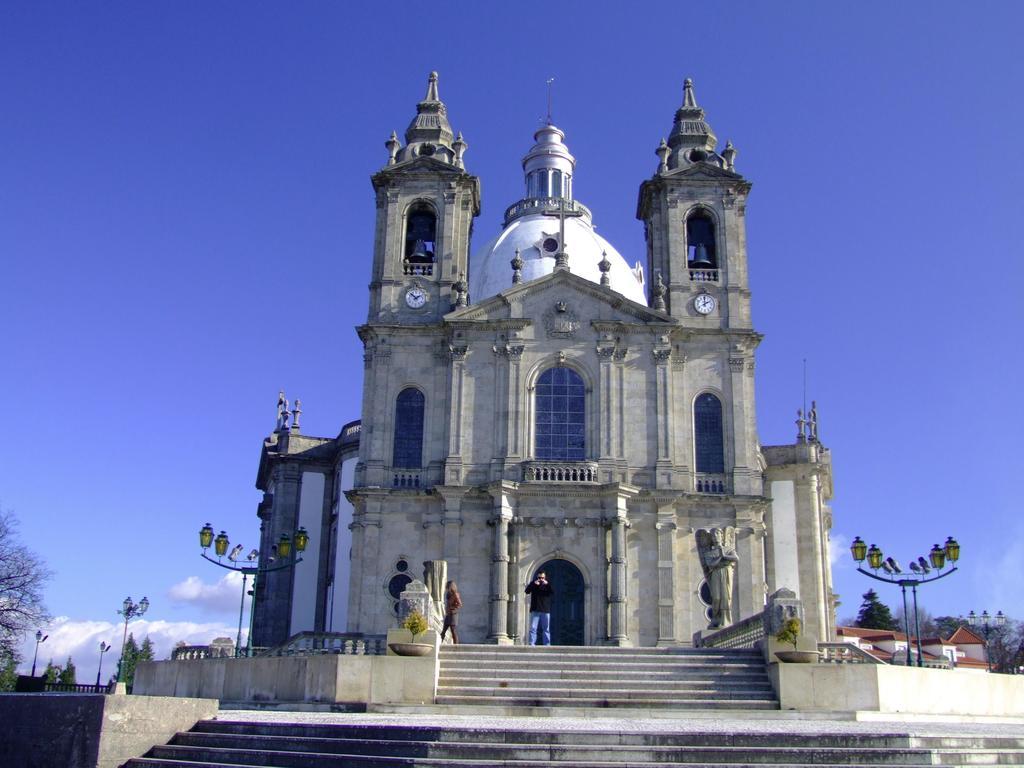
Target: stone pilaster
(618,630)
(666,531)
(453,463)
(662,353)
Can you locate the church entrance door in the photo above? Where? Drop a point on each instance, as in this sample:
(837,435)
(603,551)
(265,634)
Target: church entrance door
(567,602)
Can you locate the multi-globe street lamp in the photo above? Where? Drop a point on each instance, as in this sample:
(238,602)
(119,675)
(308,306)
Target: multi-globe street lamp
(129,610)
(938,558)
(281,559)
(104,647)
(986,623)
(40,638)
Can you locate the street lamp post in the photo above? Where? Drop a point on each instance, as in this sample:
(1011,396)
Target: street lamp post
(283,558)
(938,558)
(129,610)
(104,647)
(986,623)
(40,638)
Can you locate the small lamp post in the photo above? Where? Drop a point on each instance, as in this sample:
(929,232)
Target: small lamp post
(986,623)
(938,559)
(40,638)
(282,559)
(104,647)
(129,610)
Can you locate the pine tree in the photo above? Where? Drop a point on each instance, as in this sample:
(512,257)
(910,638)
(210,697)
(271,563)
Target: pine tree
(67,675)
(128,661)
(8,671)
(146,652)
(874,614)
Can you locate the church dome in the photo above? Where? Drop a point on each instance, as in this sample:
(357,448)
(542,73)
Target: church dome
(534,227)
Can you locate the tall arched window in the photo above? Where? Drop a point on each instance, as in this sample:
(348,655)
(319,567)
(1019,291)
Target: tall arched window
(409,429)
(707,434)
(420,234)
(559,401)
(700,241)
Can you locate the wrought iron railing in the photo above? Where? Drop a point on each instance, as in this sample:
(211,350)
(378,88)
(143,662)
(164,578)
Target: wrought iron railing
(560,472)
(546,205)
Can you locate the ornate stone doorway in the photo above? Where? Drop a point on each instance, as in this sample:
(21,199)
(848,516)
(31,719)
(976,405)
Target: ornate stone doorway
(567,603)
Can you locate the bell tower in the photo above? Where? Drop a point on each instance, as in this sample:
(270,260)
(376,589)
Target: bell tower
(426,203)
(693,212)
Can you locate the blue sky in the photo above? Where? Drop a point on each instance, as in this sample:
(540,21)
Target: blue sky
(186,225)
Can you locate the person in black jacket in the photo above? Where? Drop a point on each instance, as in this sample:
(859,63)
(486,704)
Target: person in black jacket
(540,592)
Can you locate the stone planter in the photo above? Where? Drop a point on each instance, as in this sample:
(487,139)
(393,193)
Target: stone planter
(796,657)
(412,649)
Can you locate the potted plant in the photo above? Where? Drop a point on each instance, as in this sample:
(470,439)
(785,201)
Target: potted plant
(416,624)
(790,634)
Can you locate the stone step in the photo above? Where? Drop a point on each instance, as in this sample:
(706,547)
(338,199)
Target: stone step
(609,701)
(597,650)
(531,692)
(292,753)
(218,744)
(632,682)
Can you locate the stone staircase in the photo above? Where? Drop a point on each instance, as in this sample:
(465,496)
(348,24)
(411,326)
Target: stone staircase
(217,744)
(590,676)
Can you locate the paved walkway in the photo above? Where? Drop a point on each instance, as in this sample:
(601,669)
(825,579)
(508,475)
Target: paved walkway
(778,722)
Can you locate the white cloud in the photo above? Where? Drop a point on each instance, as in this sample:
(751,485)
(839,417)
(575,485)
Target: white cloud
(838,549)
(81,640)
(998,586)
(219,598)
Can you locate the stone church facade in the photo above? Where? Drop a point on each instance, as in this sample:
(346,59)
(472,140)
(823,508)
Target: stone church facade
(540,404)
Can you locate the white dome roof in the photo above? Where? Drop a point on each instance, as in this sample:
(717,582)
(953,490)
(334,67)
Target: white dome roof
(490,268)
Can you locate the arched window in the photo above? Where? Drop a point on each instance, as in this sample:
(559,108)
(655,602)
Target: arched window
(700,242)
(707,434)
(420,234)
(559,401)
(409,429)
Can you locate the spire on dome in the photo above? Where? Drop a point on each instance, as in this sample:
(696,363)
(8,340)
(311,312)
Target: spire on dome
(689,100)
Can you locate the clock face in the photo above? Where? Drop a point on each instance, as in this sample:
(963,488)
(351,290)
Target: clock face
(415,298)
(704,303)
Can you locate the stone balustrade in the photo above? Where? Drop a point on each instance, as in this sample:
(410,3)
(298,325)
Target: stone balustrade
(560,472)
(704,275)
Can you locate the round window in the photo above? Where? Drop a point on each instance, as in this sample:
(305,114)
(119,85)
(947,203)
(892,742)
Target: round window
(550,244)
(402,566)
(397,585)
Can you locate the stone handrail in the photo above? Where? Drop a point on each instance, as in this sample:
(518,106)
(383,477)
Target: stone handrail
(343,643)
(845,653)
(546,205)
(744,634)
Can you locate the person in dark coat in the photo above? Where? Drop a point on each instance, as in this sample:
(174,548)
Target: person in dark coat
(452,604)
(540,592)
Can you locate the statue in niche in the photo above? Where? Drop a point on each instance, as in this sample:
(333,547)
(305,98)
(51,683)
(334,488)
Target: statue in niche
(717,548)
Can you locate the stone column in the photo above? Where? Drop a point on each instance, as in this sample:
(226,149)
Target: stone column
(451,522)
(662,352)
(666,527)
(606,406)
(498,630)
(453,463)
(618,633)
(746,479)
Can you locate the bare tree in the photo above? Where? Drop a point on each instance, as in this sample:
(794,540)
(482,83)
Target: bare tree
(22,577)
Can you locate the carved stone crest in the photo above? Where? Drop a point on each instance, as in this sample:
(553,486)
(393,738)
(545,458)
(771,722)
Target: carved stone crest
(561,321)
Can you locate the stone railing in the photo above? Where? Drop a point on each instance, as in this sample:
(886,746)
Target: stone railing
(185,652)
(560,472)
(744,634)
(420,270)
(704,482)
(704,275)
(341,643)
(845,653)
(546,205)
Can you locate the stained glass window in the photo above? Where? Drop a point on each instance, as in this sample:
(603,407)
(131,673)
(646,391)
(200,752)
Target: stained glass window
(409,429)
(707,433)
(559,400)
